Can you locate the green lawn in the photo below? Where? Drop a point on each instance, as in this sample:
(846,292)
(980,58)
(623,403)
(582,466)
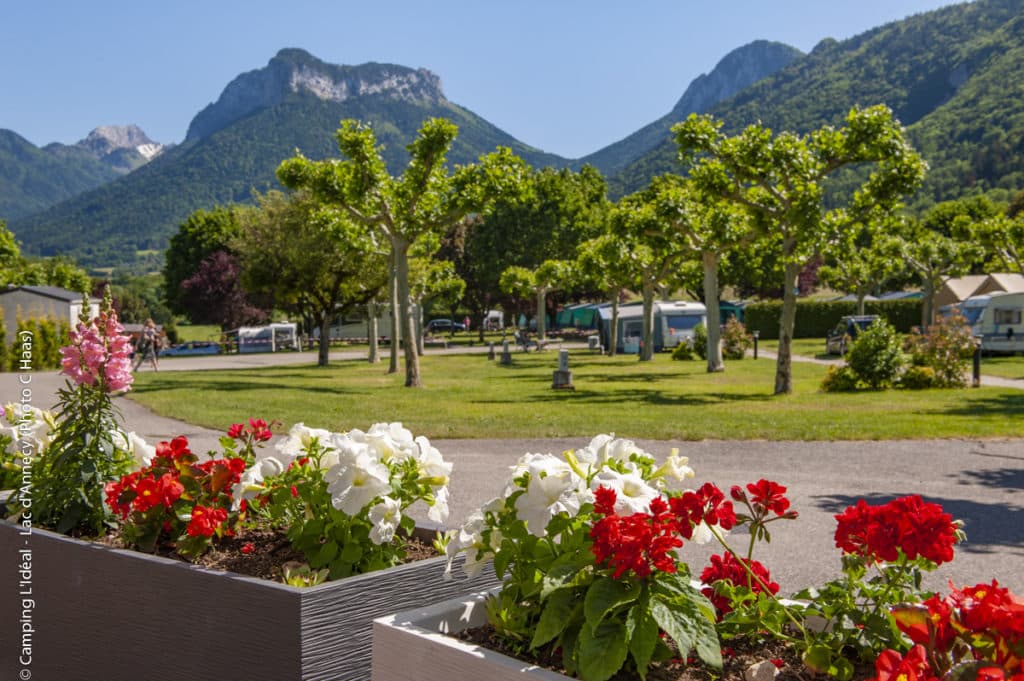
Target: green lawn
(1004,366)
(467,396)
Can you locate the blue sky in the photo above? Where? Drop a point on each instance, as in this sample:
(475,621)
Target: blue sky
(568,76)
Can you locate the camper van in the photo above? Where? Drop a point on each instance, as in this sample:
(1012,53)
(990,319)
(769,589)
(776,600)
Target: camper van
(269,338)
(674,322)
(998,318)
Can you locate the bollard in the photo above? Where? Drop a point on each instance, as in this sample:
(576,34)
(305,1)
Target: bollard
(756,334)
(490,351)
(976,382)
(562,378)
(506,356)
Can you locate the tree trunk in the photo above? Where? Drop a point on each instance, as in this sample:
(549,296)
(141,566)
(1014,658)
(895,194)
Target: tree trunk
(408,324)
(325,340)
(396,321)
(613,335)
(861,295)
(784,364)
(372,332)
(647,339)
(927,304)
(417,323)
(714,349)
(541,316)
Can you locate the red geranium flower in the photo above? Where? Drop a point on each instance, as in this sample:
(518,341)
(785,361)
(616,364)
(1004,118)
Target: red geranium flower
(891,666)
(640,542)
(727,567)
(205,521)
(170,489)
(175,449)
(147,494)
(770,495)
(236,430)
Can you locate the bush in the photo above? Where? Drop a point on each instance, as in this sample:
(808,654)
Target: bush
(735,340)
(876,356)
(814,319)
(684,351)
(946,348)
(918,378)
(700,341)
(839,379)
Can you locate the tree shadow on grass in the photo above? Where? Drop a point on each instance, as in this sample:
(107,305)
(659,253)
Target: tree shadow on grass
(989,527)
(620,396)
(1009,404)
(206,387)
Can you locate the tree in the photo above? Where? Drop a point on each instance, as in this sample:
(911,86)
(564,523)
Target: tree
(311,258)
(426,200)
(549,276)
(932,258)
(781,180)
(214,294)
(203,233)
(432,281)
(708,228)
(654,248)
(856,263)
(1003,238)
(599,263)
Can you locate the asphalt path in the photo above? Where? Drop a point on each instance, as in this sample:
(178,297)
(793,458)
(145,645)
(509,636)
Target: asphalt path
(978,481)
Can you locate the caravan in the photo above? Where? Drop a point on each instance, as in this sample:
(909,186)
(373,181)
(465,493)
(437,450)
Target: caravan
(997,318)
(674,323)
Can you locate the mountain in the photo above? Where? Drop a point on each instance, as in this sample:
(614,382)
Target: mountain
(235,144)
(736,71)
(33,179)
(954,76)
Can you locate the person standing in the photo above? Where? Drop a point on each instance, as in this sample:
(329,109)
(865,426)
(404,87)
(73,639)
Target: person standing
(147,346)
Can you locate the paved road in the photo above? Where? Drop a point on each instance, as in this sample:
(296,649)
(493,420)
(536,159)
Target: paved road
(979,481)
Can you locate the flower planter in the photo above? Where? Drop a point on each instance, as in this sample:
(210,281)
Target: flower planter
(97,612)
(415,645)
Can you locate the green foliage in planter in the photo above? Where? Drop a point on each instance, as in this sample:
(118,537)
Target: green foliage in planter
(735,340)
(918,378)
(839,379)
(815,319)
(876,356)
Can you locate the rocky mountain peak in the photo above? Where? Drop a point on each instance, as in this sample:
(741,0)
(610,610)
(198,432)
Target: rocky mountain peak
(736,71)
(108,138)
(296,72)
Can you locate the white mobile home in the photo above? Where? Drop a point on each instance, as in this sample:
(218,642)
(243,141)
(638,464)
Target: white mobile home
(998,318)
(674,322)
(269,338)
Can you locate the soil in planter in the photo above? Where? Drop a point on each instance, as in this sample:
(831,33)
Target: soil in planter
(269,552)
(737,657)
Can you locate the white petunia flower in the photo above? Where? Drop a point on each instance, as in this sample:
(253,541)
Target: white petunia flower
(438,511)
(549,492)
(389,441)
(298,440)
(356,481)
(674,471)
(633,494)
(385,516)
(432,465)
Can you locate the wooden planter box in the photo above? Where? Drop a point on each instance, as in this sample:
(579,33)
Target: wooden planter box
(414,646)
(103,613)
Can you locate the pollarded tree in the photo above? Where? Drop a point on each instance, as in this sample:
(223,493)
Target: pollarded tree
(655,249)
(781,180)
(709,228)
(1003,238)
(311,258)
(599,264)
(426,200)
(932,258)
(856,263)
(551,275)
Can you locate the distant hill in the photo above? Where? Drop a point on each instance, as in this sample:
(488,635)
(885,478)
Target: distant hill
(33,179)
(235,144)
(736,71)
(953,76)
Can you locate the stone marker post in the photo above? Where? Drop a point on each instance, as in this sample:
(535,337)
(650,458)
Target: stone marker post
(506,356)
(490,351)
(562,379)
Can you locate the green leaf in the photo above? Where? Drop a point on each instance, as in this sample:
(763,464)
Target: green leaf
(642,635)
(603,596)
(689,626)
(602,650)
(351,553)
(556,614)
(558,577)
(821,659)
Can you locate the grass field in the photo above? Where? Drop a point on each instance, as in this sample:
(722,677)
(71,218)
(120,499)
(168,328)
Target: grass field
(467,396)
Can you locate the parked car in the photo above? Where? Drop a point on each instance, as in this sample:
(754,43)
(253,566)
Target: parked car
(846,331)
(191,348)
(444,325)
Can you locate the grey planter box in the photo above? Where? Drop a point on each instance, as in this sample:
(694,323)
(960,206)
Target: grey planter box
(103,613)
(415,646)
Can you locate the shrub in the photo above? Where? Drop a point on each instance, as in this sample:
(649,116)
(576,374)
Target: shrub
(946,348)
(684,351)
(735,340)
(876,357)
(918,378)
(700,341)
(839,379)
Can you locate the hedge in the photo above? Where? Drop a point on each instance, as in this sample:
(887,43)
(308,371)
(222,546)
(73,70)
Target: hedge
(815,319)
